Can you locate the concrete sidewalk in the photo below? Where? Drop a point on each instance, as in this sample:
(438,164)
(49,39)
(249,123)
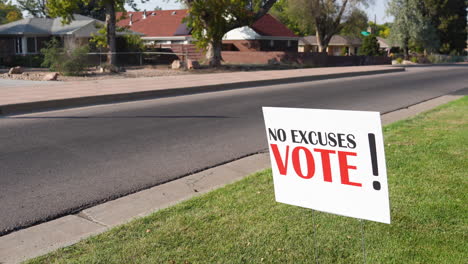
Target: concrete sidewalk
(51,95)
(43,238)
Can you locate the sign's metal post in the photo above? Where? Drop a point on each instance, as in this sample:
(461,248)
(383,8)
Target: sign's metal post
(363,241)
(314,237)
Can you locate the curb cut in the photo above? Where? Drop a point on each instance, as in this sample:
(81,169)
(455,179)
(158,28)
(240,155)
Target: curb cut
(124,97)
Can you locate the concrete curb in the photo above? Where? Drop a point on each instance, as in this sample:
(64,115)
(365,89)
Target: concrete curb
(43,238)
(122,97)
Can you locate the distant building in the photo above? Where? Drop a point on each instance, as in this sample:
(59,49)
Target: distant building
(336,46)
(28,36)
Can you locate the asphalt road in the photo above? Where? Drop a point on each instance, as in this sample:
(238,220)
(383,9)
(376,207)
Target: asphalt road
(53,163)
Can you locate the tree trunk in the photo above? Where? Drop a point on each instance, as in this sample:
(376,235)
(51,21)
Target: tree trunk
(213,54)
(322,42)
(110,26)
(406,48)
(319,41)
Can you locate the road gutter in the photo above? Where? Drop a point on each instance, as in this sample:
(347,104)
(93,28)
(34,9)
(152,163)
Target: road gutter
(46,237)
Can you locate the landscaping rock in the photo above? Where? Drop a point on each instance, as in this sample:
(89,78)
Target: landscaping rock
(50,76)
(16,70)
(177,64)
(273,61)
(108,68)
(193,64)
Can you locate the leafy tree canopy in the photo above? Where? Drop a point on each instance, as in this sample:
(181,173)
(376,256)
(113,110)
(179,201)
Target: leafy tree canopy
(293,18)
(210,20)
(382,30)
(36,8)
(430,25)
(326,18)
(355,23)
(66,8)
(9,12)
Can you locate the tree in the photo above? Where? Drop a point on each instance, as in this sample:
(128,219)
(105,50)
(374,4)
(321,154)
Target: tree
(210,20)
(356,22)
(36,8)
(370,46)
(449,19)
(66,9)
(382,30)
(411,26)
(328,16)
(292,18)
(9,12)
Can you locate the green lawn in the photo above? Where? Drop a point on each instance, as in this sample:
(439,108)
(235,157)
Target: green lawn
(241,223)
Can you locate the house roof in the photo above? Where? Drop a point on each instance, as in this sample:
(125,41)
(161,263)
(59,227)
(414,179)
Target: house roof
(51,26)
(44,26)
(166,23)
(162,23)
(336,40)
(384,43)
(267,25)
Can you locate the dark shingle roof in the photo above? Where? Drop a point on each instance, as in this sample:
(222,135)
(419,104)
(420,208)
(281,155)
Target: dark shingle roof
(45,26)
(337,40)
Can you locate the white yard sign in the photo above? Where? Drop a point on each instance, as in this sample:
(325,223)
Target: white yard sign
(329,160)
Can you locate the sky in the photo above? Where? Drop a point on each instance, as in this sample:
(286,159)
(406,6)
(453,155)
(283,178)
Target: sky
(378,8)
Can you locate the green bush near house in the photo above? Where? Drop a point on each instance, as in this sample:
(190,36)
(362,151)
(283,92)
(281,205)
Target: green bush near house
(69,63)
(414,59)
(370,46)
(439,58)
(399,60)
(30,60)
(344,51)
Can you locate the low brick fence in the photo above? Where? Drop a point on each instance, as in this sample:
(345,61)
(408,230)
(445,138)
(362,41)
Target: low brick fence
(311,59)
(265,57)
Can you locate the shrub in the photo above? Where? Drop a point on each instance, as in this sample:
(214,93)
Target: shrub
(399,60)
(370,46)
(439,58)
(344,51)
(71,62)
(29,60)
(414,59)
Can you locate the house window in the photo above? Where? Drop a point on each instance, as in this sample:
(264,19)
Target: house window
(272,43)
(355,51)
(32,45)
(289,43)
(18,45)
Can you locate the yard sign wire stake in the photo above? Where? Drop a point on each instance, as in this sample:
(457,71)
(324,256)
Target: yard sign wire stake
(314,237)
(363,242)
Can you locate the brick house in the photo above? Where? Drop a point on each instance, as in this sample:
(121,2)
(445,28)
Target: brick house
(166,27)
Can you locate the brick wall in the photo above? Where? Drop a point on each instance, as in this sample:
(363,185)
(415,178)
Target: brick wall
(264,57)
(312,59)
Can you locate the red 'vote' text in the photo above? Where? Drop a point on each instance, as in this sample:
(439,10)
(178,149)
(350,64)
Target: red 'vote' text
(282,161)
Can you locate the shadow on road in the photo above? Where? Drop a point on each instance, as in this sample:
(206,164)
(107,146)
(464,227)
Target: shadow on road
(113,117)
